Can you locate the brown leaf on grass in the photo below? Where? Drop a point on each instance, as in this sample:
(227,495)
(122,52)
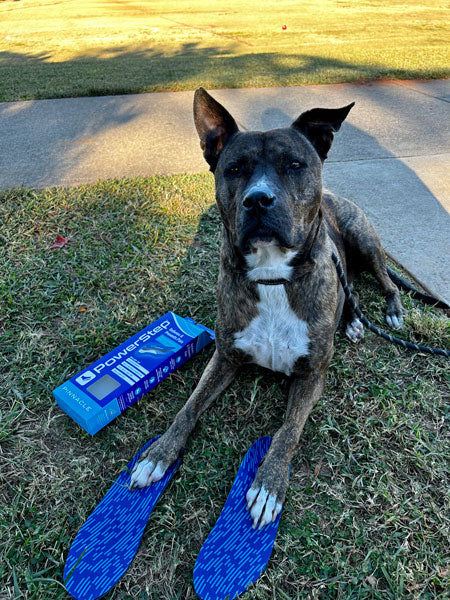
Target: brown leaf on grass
(59,242)
(317,468)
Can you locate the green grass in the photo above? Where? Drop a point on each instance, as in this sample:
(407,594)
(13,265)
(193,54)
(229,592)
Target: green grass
(51,49)
(367,513)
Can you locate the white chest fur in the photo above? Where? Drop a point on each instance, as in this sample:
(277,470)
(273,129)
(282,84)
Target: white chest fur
(276,337)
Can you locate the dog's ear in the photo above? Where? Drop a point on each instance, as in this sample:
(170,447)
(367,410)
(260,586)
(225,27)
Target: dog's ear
(214,125)
(320,124)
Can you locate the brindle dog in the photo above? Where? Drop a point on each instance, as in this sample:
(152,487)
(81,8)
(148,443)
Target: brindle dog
(279,298)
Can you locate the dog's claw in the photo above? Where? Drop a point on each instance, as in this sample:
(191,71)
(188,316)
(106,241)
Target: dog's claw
(394,321)
(355,330)
(263,506)
(145,473)
(250,497)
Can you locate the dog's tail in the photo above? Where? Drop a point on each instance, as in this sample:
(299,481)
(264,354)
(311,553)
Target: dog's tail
(425,298)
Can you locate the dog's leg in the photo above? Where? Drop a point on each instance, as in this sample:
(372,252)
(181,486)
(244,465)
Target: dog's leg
(266,495)
(153,463)
(354,329)
(394,309)
(361,239)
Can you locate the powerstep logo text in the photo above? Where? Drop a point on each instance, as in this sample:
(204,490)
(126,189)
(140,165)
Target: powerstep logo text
(122,353)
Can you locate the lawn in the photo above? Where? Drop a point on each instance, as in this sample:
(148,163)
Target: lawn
(51,49)
(367,513)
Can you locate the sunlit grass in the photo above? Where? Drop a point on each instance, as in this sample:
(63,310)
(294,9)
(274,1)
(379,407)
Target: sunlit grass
(53,49)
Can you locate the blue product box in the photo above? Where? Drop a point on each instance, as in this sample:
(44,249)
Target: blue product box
(99,393)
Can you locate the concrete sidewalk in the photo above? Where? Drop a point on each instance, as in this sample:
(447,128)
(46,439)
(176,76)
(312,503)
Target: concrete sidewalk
(392,156)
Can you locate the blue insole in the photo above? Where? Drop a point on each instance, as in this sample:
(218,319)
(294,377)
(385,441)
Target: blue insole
(234,555)
(106,544)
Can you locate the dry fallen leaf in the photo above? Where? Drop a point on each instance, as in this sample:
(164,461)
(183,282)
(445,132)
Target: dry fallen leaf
(317,468)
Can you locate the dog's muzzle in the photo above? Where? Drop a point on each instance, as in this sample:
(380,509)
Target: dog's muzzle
(262,217)
(263,226)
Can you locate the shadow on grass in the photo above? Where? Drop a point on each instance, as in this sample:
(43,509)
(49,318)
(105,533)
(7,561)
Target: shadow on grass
(121,70)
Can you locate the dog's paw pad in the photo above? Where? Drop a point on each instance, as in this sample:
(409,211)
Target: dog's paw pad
(355,330)
(394,321)
(145,473)
(263,506)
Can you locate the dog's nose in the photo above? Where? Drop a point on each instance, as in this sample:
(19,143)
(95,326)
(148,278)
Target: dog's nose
(258,199)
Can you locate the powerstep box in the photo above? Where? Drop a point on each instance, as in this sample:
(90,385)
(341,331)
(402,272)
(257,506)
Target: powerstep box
(102,391)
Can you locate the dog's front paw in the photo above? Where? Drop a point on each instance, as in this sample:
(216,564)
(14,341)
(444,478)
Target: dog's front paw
(395,321)
(146,472)
(264,507)
(153,463)
(355,330)
(266,496)
(395,312)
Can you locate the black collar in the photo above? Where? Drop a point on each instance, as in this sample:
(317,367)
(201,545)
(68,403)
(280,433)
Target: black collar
(271,281)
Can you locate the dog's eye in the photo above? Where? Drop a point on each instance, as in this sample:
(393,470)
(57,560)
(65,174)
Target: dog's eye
(233,170)
(294,165)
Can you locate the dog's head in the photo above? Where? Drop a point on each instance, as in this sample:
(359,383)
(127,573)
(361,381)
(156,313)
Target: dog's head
(268,184)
